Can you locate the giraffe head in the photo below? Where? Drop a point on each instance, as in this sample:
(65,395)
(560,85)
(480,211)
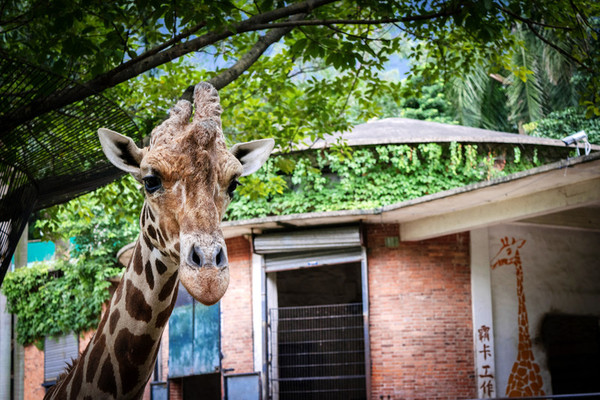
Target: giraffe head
(508,252)
(189,178)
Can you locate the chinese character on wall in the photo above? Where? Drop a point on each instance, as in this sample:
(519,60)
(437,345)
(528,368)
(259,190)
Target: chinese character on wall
(485,368)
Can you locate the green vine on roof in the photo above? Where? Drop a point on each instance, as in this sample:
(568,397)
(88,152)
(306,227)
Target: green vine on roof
(370,177)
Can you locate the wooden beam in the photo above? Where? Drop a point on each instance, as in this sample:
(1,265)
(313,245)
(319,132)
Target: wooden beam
(502,211)
(584,218)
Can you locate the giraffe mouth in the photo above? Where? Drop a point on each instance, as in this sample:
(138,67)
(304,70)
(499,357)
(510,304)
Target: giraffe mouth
(206,284)
(204,271)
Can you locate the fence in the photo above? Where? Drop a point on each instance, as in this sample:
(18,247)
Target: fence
(317,352)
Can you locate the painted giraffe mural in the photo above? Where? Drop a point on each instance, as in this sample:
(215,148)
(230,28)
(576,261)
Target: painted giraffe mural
(524,378)
(189,178)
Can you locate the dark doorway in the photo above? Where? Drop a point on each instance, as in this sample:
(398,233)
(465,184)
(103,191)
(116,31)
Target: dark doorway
(205,387)
(573,346)
(317,334)
(335,284)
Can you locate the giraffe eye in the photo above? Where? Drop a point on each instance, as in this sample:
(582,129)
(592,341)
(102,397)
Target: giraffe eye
(232,186)
(152,183)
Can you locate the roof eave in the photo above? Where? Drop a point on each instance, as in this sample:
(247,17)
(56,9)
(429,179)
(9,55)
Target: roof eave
(424,217)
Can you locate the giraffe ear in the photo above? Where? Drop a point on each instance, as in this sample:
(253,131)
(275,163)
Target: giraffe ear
(121,151)
(253,154)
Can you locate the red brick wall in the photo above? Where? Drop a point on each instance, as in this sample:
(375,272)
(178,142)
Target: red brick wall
(420,317)
(236,309)
(34,373)
(84,338)
(176,389)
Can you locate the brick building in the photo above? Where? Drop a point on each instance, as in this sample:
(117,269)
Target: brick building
(399,302)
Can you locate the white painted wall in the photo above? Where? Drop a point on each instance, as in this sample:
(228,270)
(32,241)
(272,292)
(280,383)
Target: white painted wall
(561,270)
(483,322)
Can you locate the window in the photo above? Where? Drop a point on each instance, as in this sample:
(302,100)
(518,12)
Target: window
(58,353)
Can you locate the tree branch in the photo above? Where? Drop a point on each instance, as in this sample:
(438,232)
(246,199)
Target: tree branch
(145,62)
(365,38)
(175,39)
(245,61)
(166,53)
(532,22)
(327,22)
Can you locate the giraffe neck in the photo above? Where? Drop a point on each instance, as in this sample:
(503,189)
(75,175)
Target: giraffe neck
(120,358)
(524,349)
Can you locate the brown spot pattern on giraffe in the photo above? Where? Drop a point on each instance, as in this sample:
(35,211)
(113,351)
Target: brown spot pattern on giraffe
(101,326)
(107,382)
(161,268)
(119,292)
(131,352)
(94,359)
(138,263)
(114,318)
(76,383)
(151,232)
(136,305)
(161,240)
(168,287)
(150,214)
(163,316)
(149,275)
(148,242)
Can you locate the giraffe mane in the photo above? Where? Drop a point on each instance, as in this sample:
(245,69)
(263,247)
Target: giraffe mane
(63,375)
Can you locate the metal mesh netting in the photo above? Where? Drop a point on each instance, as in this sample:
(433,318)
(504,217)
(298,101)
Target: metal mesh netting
(50,158)
(317,352)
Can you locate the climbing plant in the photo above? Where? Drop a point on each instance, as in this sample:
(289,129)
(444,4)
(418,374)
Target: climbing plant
(51,299)
(564,123)
(64,295)
(370,177)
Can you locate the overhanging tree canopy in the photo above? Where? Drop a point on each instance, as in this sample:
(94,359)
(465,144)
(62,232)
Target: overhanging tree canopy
(101,45)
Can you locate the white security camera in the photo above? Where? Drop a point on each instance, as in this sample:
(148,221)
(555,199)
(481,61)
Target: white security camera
(574,138)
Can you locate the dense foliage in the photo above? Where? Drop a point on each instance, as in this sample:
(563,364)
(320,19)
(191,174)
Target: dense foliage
(371,177)
(52,298)
(564,123)
(301,64)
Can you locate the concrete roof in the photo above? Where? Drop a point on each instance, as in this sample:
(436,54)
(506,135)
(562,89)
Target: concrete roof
(404,130)
(547,195)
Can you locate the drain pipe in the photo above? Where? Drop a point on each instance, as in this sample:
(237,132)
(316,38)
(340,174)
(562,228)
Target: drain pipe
(18,349)
(5,339)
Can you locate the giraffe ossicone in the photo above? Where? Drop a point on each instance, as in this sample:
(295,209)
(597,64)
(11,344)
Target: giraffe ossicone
(189,177)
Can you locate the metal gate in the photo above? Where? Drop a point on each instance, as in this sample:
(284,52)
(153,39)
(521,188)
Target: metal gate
(317,352)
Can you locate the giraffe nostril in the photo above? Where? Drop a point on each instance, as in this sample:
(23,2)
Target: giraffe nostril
(196,257)
(220,257)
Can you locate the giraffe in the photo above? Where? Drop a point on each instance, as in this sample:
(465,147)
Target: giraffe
(189,178)
(524,378)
